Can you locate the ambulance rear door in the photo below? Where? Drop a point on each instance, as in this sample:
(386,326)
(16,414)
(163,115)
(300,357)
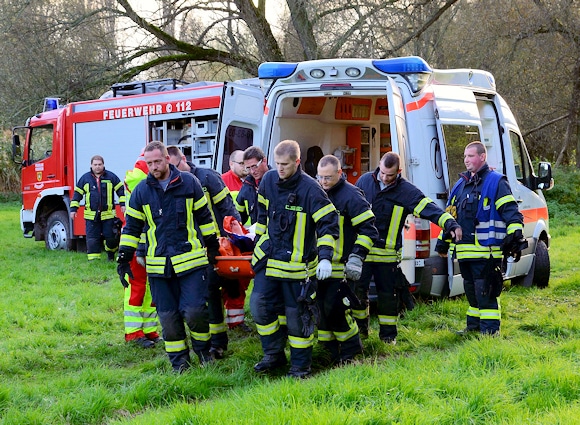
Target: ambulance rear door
(240,127)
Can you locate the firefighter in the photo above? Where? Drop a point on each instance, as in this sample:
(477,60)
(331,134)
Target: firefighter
(484,206)
(98,187)
(171,208)
(392,198)
(220,205)
(256,165)
(297,226)
(140,314)
(338,330)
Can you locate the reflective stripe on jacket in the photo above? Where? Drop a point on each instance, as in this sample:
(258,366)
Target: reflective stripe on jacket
(391,206)
(300,222)
(356,224)
(99,194)
(171,219)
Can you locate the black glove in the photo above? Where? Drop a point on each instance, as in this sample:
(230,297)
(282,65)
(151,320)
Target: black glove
(513,244)
(124,268)
(441,247)
(213,249)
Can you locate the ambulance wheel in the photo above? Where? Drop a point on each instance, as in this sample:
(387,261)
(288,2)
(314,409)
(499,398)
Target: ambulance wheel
(542,265)
(57,235)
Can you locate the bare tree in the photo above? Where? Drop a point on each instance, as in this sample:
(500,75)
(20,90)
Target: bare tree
(238,34)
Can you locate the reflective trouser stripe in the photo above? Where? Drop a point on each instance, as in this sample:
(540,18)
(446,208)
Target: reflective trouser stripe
(298,342)
(352,331)
(269,329)
(490,314)
(325,336)
(150,322)
(387,320)
(473,311)
(175,346)
(216,328)
(361,314)
(201,336)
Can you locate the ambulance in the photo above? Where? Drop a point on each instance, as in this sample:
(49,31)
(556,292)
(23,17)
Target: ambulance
(358,109)
(207,120)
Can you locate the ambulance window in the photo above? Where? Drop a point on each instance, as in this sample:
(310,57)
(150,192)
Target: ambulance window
(456,138)
(237,138)
(522,165)
(40,146)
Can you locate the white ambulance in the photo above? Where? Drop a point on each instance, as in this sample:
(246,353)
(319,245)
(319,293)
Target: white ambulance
(358,109)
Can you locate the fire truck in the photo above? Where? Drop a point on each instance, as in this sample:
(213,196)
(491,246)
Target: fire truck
(207,120)
(358,109)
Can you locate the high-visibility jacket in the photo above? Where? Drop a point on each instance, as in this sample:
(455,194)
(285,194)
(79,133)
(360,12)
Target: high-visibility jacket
(99,193)
(219,200)
(391,206)
(247,200)
(298,224)
(356,223)
(486,210)
(171,218)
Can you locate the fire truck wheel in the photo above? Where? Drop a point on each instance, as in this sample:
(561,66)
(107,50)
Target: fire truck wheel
(58,231)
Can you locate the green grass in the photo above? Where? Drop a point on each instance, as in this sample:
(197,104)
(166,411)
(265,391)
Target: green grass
(63,359)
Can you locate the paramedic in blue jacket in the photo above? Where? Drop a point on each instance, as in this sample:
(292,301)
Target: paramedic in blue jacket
(392,198)
(484,206)
(170,207)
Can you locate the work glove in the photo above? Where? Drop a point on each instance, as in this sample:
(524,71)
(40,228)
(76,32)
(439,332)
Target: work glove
(353,267)
(213,249)
(442,247)
(323,270)
(141,261)
(124,268)
(513,244)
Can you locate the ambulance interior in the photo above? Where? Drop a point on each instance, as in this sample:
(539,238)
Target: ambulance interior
(354,129)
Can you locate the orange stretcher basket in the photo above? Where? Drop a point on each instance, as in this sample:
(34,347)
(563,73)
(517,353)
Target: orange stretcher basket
(234,267)
(233,264)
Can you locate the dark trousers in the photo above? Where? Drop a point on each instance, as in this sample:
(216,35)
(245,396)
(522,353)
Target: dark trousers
(483,313)
(178,299)
(337,331)
(217,324)
(95,228)
(273,302)
(387,299)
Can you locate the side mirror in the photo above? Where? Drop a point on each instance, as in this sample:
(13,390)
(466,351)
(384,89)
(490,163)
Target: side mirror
(16,149)
(544,180)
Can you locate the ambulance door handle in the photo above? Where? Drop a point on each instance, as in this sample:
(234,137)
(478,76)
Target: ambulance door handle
(519,200)
(51,176)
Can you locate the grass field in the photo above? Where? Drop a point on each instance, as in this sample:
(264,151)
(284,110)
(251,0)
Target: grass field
(63,359)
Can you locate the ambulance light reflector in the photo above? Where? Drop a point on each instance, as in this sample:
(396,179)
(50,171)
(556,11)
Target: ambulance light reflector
(414,69)
(273,70)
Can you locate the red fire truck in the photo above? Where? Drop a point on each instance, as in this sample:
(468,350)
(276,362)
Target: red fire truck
(206,120)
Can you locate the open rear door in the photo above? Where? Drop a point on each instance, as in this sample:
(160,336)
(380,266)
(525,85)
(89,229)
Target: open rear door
(240,125)
(458,124)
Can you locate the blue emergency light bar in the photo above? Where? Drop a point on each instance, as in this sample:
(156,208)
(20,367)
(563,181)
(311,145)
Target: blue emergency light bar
(405,65)
(415,70)
(276,69)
